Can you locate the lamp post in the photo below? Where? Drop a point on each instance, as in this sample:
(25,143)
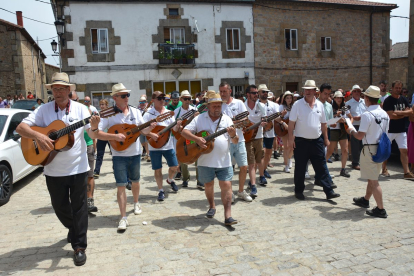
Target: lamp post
(60,29)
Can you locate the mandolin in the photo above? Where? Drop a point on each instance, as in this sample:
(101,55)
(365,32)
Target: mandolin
(132,132)
(280,130)
(164,131)
(189,151)
(185,122)
(251,130)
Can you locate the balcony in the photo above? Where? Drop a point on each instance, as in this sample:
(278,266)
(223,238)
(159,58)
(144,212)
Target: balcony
(176,55)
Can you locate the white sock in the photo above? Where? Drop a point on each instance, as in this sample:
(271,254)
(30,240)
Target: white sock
(170,180)
(124,217)
(161,190)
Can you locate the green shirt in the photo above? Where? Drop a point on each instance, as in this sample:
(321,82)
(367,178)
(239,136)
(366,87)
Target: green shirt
(328,110)
(172,107)
(88,140)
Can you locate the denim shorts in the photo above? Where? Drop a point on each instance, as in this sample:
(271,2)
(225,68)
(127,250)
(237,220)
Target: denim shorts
(268,142)
(207,174)
(143,139)
(126,167)
(239,153)
(169,156)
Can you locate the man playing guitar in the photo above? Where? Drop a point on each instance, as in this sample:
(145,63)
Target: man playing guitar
(217,163)
(126,163)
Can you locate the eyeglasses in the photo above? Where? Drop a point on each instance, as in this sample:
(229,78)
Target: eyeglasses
(265,91)
(142,102)
(124,96)
(161,98)
(59,90)
(186,99)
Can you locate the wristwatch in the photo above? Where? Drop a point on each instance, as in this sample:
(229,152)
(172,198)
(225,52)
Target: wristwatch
(94,130)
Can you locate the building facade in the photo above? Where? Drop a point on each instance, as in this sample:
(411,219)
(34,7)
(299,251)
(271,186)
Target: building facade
(343,42)
(22,62)
(399,63)
(148,46)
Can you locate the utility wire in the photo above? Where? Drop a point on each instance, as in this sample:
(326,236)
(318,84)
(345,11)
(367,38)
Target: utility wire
(28,17)
(399,16)
(43,2)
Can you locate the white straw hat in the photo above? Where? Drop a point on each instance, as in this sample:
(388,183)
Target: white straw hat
(309,84)
(61,79)
(373,92)
(118,88)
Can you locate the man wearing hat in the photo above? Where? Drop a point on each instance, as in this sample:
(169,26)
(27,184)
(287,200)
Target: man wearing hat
(167,150)
(373,123)
(66,175)
(126,163)
(357,108)
(217,163)
(175,101)
(307,119)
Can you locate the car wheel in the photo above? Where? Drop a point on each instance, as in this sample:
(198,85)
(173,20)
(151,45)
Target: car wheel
(6,184)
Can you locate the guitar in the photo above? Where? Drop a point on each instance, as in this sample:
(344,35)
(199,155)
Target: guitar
(57,131)
(185,122)
(280,130)
(189,151)
(251,130)
(343,109)
(132,132)
(164,131)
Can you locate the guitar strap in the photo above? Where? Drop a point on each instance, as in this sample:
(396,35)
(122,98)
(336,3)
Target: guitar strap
(221,115)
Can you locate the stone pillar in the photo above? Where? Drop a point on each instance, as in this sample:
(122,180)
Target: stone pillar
(410,79)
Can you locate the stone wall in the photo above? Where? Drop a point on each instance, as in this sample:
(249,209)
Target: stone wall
(7,62)
(34,76)
(347,64)
(50,70)
(399,71)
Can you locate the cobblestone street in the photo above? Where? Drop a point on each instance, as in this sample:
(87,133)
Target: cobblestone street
(276,233)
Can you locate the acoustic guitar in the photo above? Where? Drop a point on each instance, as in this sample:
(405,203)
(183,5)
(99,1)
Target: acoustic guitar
(280,130)
(164,132)
(251,130)
(185,122)
(132,132)
(343,109)
(189,151)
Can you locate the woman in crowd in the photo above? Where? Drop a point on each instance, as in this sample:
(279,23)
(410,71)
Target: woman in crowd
(286,103)
(100,144)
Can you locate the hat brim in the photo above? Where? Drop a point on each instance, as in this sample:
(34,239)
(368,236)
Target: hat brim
(71,85)
(215,101)
(159,95)
(120,91)
(372,96)
(307,87)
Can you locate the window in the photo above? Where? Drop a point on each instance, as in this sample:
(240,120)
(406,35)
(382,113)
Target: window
(193,86)
(173,11)
(14,122)
(233,39)
(291,37)
(325,43)
(236,89)
(177,36)
(99,41)
(97,96)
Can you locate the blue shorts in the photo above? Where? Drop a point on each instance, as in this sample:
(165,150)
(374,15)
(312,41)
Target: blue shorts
(207,174)
(124,167)
(143,139)
(239,153)
(268,142)
(169,156)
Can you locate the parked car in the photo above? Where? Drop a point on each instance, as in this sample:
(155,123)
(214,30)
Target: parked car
(13,166)
(25,104)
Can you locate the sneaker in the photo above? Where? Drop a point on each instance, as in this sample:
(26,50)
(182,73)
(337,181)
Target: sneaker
(332,175)
(173,186)
(276,155)
(230,221)
(79,257)
(122,225)
(287,170)
(262,181)
(137,209)
(307,176)
(361,201)
(185,184)
(266,174)
(344,173)
(178,176)
(148,158)
(129,185)
(161,196)
(91,205)
(377,212)
(408,175)
(253,190)
(200,185)
(96,175)
(211,212)
(243,195)
(385,173)
(336,157)
(329,160)
(232,198)
(290,163)
(299,196)
(332,195)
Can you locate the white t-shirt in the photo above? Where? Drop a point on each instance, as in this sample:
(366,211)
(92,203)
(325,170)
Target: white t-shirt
(370,127)
(232,109)
(133,117)
(308,120)
(255,116)
(219,157)
(152,114)
(93,109)
(357,108)
(75,160)
(179,112)
(271,108)
(342,116)
(282,108)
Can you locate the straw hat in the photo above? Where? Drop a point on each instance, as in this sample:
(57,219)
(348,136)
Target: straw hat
(215,98)
(356,86)
(287,93)
(270,95)
(309,84)
(157,94)
(296,95)
(118,88)
(209,94)
(338,94)
(185,93)
(143,98)
(262,87)
(62,79)
(373,92)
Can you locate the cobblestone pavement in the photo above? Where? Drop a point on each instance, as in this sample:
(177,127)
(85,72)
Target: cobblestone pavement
(276,234)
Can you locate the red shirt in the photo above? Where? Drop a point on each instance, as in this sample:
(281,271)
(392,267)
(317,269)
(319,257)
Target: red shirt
(30,96)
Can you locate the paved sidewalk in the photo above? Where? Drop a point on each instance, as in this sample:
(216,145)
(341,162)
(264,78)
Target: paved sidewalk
(276,234)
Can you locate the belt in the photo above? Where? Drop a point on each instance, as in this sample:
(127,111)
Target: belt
(370,145)
(301,138)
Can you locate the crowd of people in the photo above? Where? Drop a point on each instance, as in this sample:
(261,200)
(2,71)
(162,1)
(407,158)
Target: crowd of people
(10,100)
(307,126)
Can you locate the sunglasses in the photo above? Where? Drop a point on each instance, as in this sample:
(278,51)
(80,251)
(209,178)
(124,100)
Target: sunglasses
(186,99)
(142,102)
(85,101)
(124,96)
(254,93)
(161,98)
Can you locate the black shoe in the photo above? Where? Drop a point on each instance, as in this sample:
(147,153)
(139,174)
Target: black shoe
(211,212)
(185,184)
(300,196)
(344,173)
(174,187)
(333,186)
(177,176)
(337,157)
(230,221)
(276,155)
(361,201)
(91,205)
(79,257)
(332,195)
(69,237)
(318,183)
(377,212)
(129,185)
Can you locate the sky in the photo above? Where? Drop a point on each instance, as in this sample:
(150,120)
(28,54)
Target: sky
(39,10)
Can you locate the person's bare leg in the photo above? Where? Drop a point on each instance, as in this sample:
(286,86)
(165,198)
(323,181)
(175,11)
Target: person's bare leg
(135,191)
(172,171)
(377,192)
(384,165)
(404,160)
(91,187)
(267,156)
(122,199)
(226,193)
(209,191)
(369,191)
(252,173)
(285,151)
(158,178)
(344,152)
(242,178)
(261,168)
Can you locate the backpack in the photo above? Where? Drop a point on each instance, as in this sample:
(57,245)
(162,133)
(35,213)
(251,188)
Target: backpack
(384,146)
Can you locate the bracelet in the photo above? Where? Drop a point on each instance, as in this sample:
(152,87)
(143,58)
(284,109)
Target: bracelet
(234,136)
(94,130)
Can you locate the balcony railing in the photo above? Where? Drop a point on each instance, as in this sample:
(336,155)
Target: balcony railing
(176,54)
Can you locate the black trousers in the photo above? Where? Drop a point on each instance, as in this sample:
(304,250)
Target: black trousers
(68,196)
(356,148)
(313,150)
(100,152)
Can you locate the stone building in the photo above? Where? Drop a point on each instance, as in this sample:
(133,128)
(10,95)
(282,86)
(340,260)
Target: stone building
(399,63)
(343,42)
(50,70)
(22,62)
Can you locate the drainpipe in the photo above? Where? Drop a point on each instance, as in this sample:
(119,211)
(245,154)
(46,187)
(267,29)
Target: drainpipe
(34,74)
(370,46)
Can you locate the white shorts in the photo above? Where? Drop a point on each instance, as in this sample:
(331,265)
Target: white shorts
(400,139)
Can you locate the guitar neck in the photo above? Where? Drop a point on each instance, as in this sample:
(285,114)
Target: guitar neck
(62,132)
(141,127)
(185,116)
(214,135)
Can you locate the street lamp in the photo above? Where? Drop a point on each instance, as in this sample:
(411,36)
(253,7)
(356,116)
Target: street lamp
(60,28)
(54,45)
